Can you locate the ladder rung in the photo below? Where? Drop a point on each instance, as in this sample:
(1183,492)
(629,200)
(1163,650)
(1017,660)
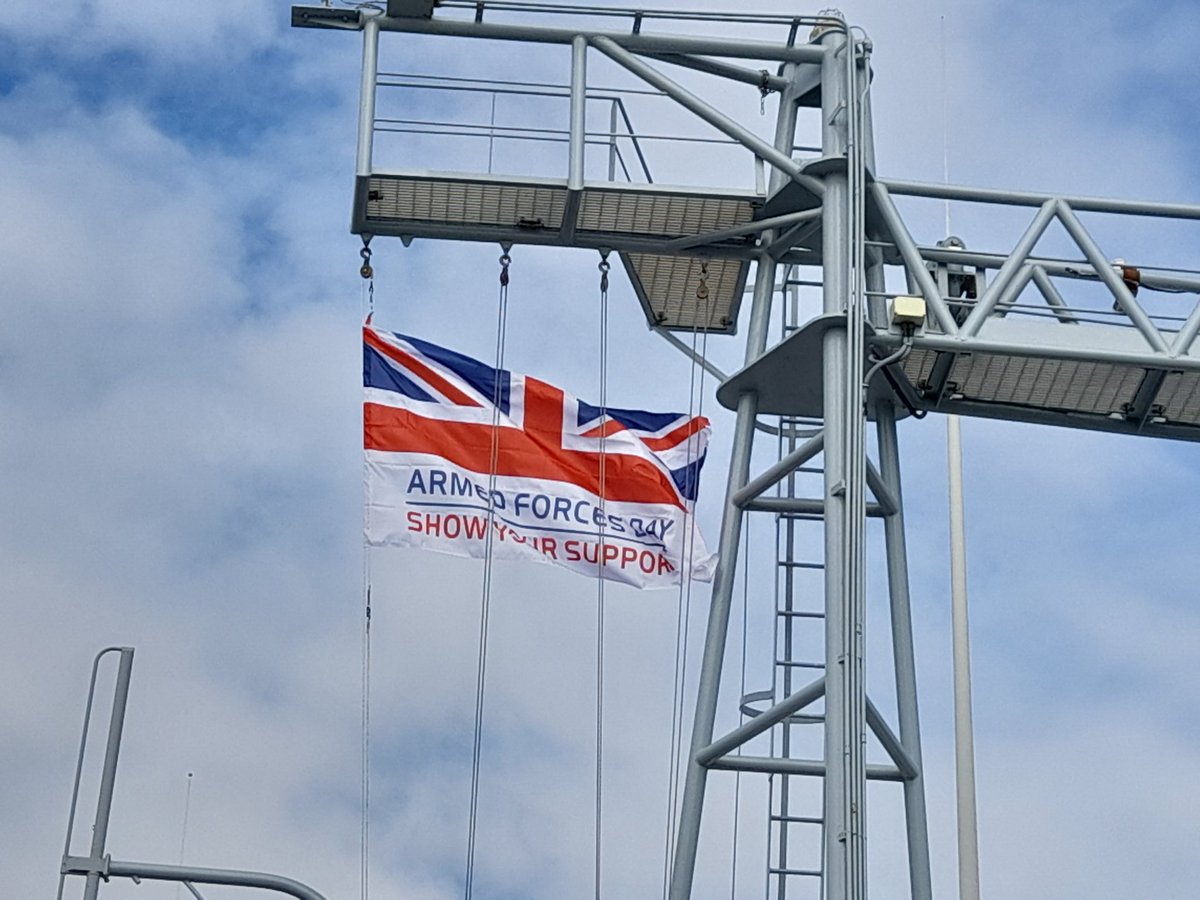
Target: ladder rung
(794,564)
(799,820)
(799,614)
(809,873)
(801,282)
(798,664)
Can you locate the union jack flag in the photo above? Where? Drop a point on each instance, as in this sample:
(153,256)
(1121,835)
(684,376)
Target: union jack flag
(450,440)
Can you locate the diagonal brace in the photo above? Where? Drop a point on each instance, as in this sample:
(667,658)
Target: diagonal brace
(698,240)
(1111,279)
(1011,268)
(905,763)
(793,703)
(883,493)
(713,117)
(760,79)
(913,262)
(780,470)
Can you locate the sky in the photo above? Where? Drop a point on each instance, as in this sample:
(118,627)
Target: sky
(180,471)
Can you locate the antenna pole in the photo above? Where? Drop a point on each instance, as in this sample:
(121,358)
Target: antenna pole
(964,740)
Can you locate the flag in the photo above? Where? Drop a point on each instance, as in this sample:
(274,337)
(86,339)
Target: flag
(456,449)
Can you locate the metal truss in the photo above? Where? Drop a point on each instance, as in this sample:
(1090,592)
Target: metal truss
(981,351)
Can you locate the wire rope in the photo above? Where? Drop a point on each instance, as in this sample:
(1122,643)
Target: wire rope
(737,778)
(684,602)
(368,303)
(599,823)
(486,586)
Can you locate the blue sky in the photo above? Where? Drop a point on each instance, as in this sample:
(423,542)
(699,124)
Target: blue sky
(181,472)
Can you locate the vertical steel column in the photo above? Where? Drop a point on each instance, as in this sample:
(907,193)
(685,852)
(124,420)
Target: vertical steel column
(708,690)
(915,822)
(896,549)
(108,778)
(366,95)
(845,728)
(576,139)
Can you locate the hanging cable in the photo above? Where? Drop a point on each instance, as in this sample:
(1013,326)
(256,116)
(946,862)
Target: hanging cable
(684,603)
(485,598)
(737,778)
(604,268)
(365,835)
(367,272)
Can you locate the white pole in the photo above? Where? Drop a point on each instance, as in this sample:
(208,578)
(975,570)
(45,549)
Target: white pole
(964,740)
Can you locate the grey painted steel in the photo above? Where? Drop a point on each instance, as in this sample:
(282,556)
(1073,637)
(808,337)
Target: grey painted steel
(773,765)
(964,732)
(687,351)
(230,877)
(692,806)
(366,95)
(578,131)
(903,655)
(87,718)
(883,493)
(641,43)
(191,889)
(1028,198)
(780,159)
(1012,291)
(846,130)
(780,470)
(1053,298)
(699,240)
(843,794)
(765,720)
(802,506)
(1186,335)
(1171,281)
(725,70)
(1036,416)
(888,740)
(913,260)
(1109,276)
(1071,347)
(108,777)
(792,237)
(1008,271)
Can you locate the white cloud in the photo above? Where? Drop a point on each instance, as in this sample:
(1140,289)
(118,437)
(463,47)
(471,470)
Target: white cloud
(177,365)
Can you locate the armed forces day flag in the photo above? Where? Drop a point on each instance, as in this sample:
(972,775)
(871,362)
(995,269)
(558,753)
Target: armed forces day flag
(454,446)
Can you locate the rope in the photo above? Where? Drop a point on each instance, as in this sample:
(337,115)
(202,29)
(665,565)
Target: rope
(368,275)
(604,267)
(684,605)
(485,599)
(365,835)
(737,778)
